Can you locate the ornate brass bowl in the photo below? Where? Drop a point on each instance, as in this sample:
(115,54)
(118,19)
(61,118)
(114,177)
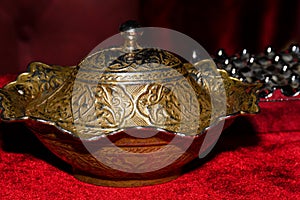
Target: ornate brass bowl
(126,120)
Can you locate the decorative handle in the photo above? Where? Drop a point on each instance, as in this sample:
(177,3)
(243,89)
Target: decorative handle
(240,97)
(38,83)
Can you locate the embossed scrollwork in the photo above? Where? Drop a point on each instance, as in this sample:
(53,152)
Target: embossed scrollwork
(155,89)
(113,105)
(160,105)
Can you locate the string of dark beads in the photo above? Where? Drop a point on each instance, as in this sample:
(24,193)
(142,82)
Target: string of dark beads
(276,70)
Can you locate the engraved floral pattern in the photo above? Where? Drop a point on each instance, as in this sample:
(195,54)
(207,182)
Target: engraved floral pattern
(148,87)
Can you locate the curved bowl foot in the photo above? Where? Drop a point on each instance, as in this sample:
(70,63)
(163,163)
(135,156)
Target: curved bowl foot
(102,181)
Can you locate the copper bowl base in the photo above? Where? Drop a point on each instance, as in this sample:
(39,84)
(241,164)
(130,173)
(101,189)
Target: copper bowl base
(155,151)
(123,182)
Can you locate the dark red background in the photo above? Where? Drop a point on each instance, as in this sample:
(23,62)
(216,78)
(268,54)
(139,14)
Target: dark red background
(257,158)
(64,32)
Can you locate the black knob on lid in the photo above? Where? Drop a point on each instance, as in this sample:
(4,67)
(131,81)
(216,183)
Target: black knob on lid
(128,25)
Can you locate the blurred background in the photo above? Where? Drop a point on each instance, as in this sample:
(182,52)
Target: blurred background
(64,31)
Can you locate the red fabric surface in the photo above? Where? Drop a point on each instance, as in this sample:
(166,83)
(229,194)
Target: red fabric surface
(258,157)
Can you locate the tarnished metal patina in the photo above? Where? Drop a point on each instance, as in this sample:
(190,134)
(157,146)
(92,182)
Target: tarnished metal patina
(115,90)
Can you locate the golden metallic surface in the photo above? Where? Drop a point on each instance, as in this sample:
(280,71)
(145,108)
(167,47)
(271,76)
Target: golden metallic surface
(112,93)
(144,88)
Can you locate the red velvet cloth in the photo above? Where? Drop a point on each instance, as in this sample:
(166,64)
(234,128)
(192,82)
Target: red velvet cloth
(258,157)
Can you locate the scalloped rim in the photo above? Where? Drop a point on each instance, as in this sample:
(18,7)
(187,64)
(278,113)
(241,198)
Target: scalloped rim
(219,120)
